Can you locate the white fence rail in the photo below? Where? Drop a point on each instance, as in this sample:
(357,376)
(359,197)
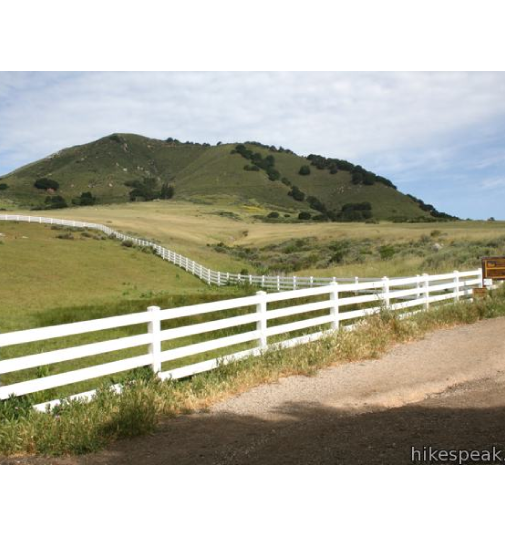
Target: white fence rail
(211,277)
(334,306)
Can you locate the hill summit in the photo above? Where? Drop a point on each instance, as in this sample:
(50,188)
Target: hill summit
(126,167)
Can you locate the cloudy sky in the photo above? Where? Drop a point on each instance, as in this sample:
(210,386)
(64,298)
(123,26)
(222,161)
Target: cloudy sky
(439,136)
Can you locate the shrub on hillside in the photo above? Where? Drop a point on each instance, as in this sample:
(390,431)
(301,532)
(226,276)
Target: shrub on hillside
(46,184)
(86,199)
(296,193)
(273,215)
(167,192)
(304,216)
(3,186)
(55,201)
(304,170)
(147,189)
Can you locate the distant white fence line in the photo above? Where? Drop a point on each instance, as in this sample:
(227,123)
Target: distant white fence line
(337,303)
(211,277)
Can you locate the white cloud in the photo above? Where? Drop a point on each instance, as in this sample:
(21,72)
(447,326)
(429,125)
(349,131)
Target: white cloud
(348,115)
(491,184)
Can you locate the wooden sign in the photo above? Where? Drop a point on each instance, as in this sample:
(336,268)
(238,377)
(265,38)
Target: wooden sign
(481,292)
(493,268)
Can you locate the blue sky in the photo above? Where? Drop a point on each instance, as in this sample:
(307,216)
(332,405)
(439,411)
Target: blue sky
(439,136)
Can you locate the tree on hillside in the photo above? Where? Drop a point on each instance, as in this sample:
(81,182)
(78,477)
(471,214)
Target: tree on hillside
(304,170)
(86,199)
(46,184)
(296,193)
(55,201)
(167,192)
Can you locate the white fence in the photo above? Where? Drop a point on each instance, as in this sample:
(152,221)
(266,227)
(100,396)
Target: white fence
(330,307)
(211,277)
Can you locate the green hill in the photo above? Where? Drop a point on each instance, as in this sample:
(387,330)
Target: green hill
(125,167)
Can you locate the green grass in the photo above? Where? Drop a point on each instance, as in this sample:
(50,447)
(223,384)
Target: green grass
(41,272)
(206,174)
(78,427)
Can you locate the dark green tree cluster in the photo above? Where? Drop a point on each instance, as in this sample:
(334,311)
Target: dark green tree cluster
(359,174)
(86,199)
(296,193)
(316,204)
(271,148)
(258,162)
(248,167)
(355,212)
(3,186)
(431,209)
(304,170)
(362,176)
(46,184)
(147,190)
(304,215)
(55,201)
(175,141)
(331,164)
(167,191)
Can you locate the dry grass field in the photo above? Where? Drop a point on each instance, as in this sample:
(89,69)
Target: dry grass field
(250,243)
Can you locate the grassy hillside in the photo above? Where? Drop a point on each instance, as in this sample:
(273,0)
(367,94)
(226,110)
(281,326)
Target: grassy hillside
(45,270)
(101,167)
(124,167)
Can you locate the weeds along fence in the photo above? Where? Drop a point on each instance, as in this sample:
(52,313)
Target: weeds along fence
(52,362)
(211,277)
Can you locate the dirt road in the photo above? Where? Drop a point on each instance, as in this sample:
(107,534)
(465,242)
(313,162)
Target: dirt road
(447,391)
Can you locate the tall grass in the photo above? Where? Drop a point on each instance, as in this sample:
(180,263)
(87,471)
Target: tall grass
(78,427)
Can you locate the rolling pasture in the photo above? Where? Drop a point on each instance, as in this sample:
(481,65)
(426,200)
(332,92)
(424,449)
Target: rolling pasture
(232,238)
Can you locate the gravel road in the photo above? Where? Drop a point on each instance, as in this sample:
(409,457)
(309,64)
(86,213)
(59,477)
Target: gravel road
(447,391)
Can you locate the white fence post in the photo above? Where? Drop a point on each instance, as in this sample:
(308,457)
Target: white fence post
(334,309)
(154,329)
(426,287)
(481,278)
(278,283)
(294,283)
(219,279)
(385,286)
(418,286)
(356,280)
(456,283)
(261,324)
